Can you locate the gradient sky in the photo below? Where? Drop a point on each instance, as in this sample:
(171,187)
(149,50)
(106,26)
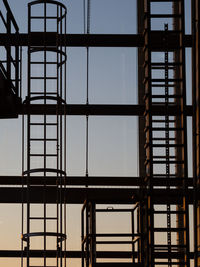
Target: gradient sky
(113,146)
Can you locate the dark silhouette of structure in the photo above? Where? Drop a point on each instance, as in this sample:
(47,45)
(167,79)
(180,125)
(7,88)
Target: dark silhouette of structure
(163,188)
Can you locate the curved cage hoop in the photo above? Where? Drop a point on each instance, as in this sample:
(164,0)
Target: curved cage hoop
(61,237)
(56,3)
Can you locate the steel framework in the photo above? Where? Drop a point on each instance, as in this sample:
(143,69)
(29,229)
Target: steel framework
(163,182)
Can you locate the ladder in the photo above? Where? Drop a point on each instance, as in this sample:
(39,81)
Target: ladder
(45,225)
(165,243)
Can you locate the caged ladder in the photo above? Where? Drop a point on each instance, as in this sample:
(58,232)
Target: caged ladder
(44,226)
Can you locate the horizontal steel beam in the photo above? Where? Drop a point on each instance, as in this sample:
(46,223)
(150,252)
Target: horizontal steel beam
(93,181)
(99,110)
(99,195)
(112,110)
(78,254)
(67,254)
(158,41)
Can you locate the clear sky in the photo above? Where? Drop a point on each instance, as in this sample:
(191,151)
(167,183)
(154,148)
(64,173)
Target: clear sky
(113,146)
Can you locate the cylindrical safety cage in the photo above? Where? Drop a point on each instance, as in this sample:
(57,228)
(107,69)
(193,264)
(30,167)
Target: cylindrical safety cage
(44,140)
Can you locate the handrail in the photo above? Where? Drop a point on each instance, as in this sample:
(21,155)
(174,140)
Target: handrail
(9,23)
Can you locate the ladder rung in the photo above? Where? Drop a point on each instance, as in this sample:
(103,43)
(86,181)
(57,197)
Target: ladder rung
(171,64)
(165,229)
(166,145)
(162,97)
(163,85)
(164,162)
(163,129)
(43,124)
(168,162)
(166,96)
(163,104)
(42,93)
(43,155)
(162,80)
(162,68)
(166,246)
(166,129)
(40,17)
(42,139)
(42,62)
(43,78)
(163,157)
(165,16)
(170,212)
(163,139)
(163,121)
(42,218)
(171,263)
(114,242)
(164,175)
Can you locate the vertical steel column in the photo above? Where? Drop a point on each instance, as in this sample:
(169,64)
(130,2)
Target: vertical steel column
(196,126)
(148,204)
(92,225)
(181,153)
(85,223)
(141,90)
(179,171)
(133,232)
(141,122)
(167,148)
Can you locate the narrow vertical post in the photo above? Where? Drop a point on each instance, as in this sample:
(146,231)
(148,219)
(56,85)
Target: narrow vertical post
(141,119)
(133,235)
(196,126)
(92,234)
(8,48)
